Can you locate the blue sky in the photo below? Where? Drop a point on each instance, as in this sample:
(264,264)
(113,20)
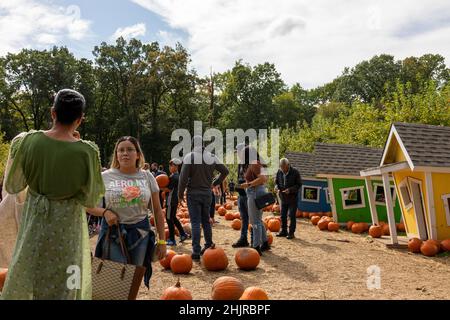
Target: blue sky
(107,16)
(309,41)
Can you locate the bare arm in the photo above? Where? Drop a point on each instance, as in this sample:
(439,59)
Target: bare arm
(159,221)
(159,217)
(111,217)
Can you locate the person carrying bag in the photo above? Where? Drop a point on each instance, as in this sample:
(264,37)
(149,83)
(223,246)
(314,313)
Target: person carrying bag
(130,193)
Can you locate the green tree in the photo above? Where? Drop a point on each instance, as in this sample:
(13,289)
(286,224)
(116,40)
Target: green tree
(248,96)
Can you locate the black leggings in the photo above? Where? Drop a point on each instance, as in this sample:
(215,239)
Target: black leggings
(172,222)
(212,208)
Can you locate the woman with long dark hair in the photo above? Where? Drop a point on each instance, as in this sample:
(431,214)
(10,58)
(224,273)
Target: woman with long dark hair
(255,180)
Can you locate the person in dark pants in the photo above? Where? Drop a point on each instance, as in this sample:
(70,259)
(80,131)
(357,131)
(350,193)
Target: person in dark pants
(242,204)
(172,204)
(212,208)
(288,182)
(197,178)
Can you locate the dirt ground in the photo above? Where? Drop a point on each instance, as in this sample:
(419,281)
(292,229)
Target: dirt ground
(315,266)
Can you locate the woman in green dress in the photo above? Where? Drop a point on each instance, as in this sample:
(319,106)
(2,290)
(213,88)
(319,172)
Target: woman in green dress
(52,257)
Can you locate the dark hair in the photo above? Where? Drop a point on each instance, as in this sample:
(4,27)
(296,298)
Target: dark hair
(248,152)
(69,105)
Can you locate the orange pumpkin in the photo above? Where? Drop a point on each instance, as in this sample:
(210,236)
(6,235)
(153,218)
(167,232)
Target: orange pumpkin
(298,213)
(181,264)
(329,214)
(217,206)
(176,292)
(333,226)
(385,230)
(414,245)
(375,231)
(274,225)
(365,226)
(236,224)
(228,206)
(215,259)
(357,228)
(247,258)
(429,248)
(269,238)
(445,245)
(237,215)
(254,293)
(349,225)
(3,274)
(315,220)
(165,263)
(305,214)
(229,216)
(436,243)
(401,227)
(221,211)
(323,224)
(227,288)
(162,180)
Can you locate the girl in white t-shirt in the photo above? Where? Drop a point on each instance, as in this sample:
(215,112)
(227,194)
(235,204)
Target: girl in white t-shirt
(130,192)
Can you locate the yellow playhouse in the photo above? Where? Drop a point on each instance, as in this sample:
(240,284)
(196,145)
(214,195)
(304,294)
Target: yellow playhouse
(417,156)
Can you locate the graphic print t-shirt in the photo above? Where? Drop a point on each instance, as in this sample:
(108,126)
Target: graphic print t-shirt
(129,194)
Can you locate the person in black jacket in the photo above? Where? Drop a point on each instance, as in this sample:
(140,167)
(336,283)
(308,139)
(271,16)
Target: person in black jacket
(172,204)
(288,183)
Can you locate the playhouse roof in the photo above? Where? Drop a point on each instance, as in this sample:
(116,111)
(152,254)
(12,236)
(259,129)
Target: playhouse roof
(346,160)
(423,145)
(304,162)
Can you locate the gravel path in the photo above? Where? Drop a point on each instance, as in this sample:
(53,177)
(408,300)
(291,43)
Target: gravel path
(314,266)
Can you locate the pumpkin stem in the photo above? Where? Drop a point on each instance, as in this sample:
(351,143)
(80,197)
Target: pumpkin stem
(213,246)
(178,285)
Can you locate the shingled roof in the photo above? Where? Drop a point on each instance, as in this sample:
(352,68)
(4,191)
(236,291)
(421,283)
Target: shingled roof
(426,145)
(304,162)
(341,159)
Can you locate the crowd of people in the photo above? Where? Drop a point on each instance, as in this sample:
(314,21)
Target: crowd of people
(53,227)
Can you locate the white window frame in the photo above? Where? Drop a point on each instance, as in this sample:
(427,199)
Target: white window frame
(327,195)
(446,198)
(311,187)
(405,184)
(354,206)
(394,197)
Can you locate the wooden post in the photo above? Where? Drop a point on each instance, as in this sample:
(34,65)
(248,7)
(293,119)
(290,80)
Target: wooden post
(390,208)
(430,205)
(371,196)
(333,202)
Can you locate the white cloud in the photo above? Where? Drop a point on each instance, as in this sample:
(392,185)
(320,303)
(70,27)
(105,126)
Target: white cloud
(309,41)
(130,31)
(29,23)
(166,38)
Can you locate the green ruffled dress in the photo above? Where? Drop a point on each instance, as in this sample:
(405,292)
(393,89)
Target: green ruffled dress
(52,258)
